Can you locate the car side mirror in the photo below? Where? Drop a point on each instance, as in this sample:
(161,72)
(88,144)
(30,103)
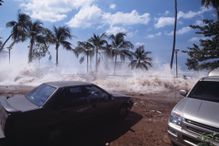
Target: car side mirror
(183,92)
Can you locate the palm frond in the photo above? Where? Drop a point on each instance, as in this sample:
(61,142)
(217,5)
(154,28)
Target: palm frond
(66,45)
(141,60)
(11,23)
(1,1)
(81,60)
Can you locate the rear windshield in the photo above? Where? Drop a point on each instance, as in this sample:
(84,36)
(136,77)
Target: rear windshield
(40,94)
(206,90)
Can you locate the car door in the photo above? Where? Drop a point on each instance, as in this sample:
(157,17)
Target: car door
(100,100)
(74,106)
(69,106)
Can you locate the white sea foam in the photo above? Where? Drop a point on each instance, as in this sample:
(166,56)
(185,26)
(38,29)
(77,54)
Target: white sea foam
(152,81)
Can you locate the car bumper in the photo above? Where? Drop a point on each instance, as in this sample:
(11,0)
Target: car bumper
(2,134)
(3,118)
(183,137)
(176,135)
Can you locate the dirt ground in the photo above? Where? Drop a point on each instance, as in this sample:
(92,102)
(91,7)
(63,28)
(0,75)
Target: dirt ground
(146,125)
(151,129)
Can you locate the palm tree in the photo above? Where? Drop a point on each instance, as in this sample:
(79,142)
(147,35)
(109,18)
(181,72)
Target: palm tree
(98,42)
(0,42)
(174,34)
(1,1)
(86,49)
(59,37)
(119,47)
(19,29)
(214,3)
(36,34)
(40,50)
(141,60)
(9,51)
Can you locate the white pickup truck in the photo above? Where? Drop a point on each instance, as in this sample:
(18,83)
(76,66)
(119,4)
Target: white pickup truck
(197,114)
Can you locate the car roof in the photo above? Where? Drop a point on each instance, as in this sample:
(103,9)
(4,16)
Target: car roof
(214,73)
(210,78)
(60,84)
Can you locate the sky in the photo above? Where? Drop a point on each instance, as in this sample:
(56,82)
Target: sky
(146,22)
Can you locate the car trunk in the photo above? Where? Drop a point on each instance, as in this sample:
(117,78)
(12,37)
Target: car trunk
(11,105)
(3,114)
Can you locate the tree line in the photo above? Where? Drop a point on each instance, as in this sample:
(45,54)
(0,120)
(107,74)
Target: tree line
(205,54)
(202,55)
(39,38)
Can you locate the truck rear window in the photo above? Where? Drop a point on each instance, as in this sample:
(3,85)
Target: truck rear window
(206,90)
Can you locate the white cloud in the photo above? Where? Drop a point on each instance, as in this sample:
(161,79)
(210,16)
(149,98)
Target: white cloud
(166,12)
(86,17)
(120,18)
(164,21)
(167,21)
(115,29)
(184,30)
(154,35)
(93,16)
(191,14)
(194,39)
(197,38)
(181,31)
(139,44)
(52,10)
(199,22)
(112,6)
(57,10)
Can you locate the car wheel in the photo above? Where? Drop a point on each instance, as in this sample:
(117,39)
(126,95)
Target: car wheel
(123,111)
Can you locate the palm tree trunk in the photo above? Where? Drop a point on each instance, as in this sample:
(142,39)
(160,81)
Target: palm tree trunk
(114,71)
(90,63)
(9,55)
(57,55)
(30,55)
(87,62)
(96,59)
(9,51)
(174,36)
(39,61)
(2,47)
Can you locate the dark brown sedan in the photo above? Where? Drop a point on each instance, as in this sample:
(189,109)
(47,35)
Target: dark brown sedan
(55,104)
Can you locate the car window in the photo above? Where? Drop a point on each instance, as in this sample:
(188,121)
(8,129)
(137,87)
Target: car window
(206,90)
(72,96)
(39,95)
(94,92)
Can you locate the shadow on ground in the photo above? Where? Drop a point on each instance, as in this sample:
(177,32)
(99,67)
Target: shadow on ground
(92,134)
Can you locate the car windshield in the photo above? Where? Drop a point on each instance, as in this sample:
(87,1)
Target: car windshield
(206,90)
(40,94)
